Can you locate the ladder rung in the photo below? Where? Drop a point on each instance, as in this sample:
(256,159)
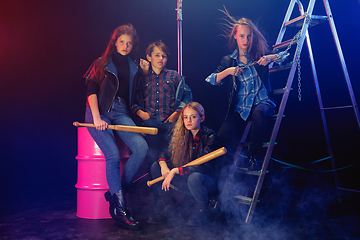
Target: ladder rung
(274,117)
(244,200)
(266,144)
(297,22)
(280,91)
(316,19)
(282,45)
(341,107)
(247,171)
(280,68)
(294,22)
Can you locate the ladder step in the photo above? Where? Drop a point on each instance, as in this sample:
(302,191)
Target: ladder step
(282,45)
(340,107)
(266,144)
(316,19)
(273,117)
(280,68)
(298,22)
(247,171)
(279,91)
(244,200)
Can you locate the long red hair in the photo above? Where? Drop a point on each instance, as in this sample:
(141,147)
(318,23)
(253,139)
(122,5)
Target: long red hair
(98,70)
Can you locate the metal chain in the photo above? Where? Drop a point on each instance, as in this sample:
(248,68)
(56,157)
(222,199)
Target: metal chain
(234,78)
(295,40)
(297,59)
(299,76)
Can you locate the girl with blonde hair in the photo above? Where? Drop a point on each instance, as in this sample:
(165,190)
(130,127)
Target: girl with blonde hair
(190,140)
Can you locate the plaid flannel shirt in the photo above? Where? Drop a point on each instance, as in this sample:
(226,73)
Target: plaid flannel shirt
(251,91)
(160,91)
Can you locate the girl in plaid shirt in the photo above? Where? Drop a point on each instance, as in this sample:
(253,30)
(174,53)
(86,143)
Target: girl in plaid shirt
(247,74)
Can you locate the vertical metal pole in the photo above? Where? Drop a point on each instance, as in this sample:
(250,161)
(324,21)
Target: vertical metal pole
(321,106)
(179,35)
(347,79)
(342,60)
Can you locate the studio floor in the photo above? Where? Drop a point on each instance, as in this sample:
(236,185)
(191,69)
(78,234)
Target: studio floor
(52,215)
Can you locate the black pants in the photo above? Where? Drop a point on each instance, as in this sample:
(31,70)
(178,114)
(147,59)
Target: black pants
(233,127)
(195,184)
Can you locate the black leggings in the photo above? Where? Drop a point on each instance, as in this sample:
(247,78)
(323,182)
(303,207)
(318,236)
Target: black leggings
(233,127)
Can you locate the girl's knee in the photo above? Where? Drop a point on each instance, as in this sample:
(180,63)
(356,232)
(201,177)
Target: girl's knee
(113,158)
(194,178)
(259,112)
(140,148)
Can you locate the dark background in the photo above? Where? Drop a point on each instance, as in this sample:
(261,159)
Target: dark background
(47,46)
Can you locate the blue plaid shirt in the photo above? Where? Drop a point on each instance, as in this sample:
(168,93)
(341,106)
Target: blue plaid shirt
(250,89)
(160,92)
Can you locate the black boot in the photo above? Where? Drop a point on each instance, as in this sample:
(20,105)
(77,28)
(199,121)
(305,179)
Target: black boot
(247,160)
(119,212)
(125,187)
(253,164)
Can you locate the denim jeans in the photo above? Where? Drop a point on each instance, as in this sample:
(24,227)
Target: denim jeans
(195,184)
(157,143)
(118,115)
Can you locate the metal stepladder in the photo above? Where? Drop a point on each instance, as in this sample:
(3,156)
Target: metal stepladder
(304,21)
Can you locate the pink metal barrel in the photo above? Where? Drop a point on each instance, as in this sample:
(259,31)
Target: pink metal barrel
(92,183)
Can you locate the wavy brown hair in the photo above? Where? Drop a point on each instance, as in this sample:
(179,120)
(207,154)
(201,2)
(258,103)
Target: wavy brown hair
(98,69)
(180,144)
(258,45)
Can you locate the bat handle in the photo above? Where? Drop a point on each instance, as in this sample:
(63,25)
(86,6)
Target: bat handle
(149,183)
(77,124)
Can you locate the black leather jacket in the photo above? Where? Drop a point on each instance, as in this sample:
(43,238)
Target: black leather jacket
(207,143)
(109,87)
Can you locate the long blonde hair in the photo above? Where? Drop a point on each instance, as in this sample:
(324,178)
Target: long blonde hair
(180,144)
(258,45)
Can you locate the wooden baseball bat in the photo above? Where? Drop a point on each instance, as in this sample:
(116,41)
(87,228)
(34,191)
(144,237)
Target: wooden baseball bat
(208,157)
(125,128)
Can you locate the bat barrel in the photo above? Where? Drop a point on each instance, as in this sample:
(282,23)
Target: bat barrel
(206,158)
